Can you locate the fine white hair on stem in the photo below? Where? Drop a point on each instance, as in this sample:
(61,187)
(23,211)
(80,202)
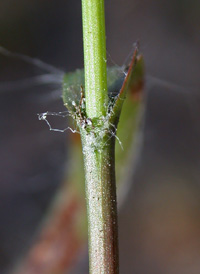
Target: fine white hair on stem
(135,46)
(153,80)
(33,61)
(52,75)
(190,94)
(115,135)
(43,117)
(51,96)
(125,64)
(122,68)
(38,80)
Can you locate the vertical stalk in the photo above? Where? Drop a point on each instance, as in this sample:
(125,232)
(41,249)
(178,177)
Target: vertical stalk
(101,204)
(98,146)
(94,41)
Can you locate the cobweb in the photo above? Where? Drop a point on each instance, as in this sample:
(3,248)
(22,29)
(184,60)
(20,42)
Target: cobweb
(53,76)
(43,117)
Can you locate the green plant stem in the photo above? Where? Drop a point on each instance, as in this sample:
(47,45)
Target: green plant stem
(94,41)
(101,204)
(98,146)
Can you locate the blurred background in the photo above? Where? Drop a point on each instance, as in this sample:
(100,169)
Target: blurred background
(159,221)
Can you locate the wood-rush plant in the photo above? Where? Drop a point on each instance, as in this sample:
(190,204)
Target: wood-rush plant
(98,145)
(94,98)
(95,102)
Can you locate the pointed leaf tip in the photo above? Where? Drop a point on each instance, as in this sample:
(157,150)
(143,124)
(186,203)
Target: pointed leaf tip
(135,75)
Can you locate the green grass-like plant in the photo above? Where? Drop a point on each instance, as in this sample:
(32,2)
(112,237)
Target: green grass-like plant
(95,102)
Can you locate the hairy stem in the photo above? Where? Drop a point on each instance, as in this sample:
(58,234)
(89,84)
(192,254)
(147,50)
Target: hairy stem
(101,203)
(94,41)
(98,146)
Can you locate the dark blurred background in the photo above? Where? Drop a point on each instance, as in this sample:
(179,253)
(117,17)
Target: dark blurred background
(159,222)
